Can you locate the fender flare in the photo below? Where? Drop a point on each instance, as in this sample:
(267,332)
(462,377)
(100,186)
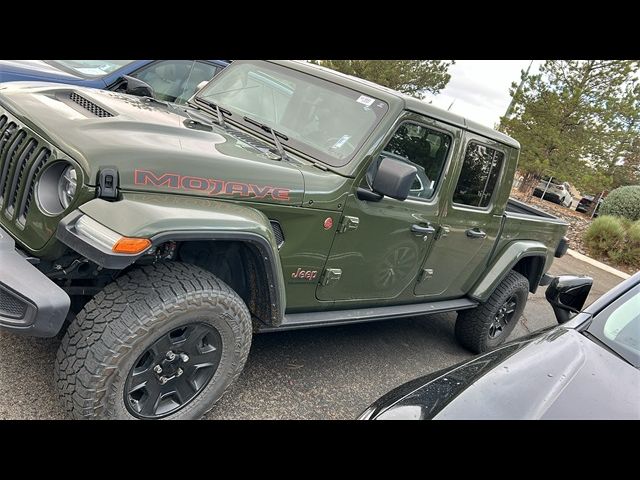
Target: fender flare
(500,266)
(179,218)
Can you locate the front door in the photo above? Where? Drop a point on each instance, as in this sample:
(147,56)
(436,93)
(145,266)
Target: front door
(470,221)
(381,245)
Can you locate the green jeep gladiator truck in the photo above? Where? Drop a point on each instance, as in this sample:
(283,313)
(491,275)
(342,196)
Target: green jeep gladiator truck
(156,239)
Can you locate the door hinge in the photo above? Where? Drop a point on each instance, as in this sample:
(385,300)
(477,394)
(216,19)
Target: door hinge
(424,274)
(330,275)
(443,231)
(348,223)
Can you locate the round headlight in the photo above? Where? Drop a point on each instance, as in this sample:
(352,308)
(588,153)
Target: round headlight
(57,188)
(67,186)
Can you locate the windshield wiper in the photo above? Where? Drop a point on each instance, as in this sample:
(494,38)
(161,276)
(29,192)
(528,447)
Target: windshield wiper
(274,133)
(221,112)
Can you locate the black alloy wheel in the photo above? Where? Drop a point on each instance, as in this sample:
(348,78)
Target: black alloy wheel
(173,371)
(503,316)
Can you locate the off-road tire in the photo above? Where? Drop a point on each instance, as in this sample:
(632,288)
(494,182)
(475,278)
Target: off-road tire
(119,323)
(472,326)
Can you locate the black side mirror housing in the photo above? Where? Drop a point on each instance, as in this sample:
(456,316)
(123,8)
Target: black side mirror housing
(138,87)
(567,294)
(394,178)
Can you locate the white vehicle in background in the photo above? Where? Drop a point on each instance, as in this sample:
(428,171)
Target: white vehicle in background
(554,191)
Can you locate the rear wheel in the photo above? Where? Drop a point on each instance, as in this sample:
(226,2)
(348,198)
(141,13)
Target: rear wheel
(163,341)
(488,325)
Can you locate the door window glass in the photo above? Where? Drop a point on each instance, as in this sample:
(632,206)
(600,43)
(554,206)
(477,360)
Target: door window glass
(479,176)
(168,78)
(422,147)
(201,72)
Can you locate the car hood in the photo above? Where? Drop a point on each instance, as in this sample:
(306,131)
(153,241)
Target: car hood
(559,374)
(36,70)
(154,146)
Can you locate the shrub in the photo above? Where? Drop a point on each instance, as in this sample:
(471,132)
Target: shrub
(631,250)
(623,202)
(615,238)
(605,235)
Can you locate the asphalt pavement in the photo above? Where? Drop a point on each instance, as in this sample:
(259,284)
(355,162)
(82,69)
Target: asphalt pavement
(323,373)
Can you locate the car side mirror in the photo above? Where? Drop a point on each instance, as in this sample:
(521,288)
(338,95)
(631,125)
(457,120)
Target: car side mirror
(567,294)
(137,87)
(394,178)
(201,85)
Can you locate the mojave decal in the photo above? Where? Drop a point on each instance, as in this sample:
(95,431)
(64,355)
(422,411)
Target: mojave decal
(209,185)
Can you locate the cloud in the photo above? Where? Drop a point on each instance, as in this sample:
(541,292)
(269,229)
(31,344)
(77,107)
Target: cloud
(480,88)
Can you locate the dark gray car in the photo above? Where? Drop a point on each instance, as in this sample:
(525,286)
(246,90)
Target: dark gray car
(586,368)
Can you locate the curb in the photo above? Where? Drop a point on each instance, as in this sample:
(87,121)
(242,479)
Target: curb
(598,264)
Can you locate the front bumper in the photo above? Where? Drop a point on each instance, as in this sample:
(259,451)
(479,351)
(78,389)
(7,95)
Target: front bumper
(30,303)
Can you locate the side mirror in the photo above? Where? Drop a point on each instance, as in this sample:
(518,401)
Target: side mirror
(394,178)
(567,294)
(137,87)
(201,85)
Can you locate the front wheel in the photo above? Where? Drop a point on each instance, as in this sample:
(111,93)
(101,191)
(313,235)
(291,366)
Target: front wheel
(163,341)
(488,325)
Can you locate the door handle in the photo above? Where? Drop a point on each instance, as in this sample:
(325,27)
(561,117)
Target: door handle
(475,233)
(417,229)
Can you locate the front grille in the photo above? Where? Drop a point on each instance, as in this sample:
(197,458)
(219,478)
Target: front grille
(97,110)
(22,157)
(277,231)
(11,306)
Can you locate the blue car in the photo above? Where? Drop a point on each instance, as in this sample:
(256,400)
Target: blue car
(171,80)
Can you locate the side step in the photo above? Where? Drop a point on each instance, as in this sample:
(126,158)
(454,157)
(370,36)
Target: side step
(341,317)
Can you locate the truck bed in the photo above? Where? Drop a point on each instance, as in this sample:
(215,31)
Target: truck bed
(518,207)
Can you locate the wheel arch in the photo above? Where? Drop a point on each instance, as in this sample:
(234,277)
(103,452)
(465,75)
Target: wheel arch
(245,261)
(190,222)
(528,258)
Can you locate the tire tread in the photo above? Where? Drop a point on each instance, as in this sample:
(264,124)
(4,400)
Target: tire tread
(107,327)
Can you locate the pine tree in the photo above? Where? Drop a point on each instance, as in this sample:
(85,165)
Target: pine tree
(413,77)
(574,120)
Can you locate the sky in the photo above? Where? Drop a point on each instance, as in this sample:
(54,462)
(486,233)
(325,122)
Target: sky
(479,89)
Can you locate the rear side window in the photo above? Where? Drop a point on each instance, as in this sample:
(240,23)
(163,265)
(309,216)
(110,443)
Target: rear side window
(479,176)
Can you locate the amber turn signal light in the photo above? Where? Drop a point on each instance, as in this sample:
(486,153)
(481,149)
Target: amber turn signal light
(131,245)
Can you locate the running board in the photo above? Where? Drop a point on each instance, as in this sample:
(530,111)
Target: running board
(340,317)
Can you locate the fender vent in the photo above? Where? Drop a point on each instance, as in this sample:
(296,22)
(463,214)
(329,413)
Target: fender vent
(89,105)
(277,231)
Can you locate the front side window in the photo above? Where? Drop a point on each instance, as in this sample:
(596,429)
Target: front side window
(201,72)
(422,147)
(320,118)
(168,78)
(479,176)
(620,330)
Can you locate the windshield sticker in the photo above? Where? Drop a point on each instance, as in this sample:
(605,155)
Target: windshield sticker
(368,101)
(341,141)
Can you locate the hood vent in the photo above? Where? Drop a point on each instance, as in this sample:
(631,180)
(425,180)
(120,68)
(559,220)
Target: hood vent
(89,105)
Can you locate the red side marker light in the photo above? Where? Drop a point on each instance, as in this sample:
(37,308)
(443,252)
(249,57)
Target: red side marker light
(328,223)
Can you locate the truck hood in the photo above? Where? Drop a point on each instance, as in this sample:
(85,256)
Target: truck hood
(560,374)
(24,70)
(154,146)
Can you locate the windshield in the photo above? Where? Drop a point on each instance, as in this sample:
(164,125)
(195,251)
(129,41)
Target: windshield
(322,119)
(91,68)
(619,327)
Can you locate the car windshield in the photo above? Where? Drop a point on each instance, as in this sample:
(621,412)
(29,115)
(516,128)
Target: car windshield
(321,119)
(91,68)
(619,329)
